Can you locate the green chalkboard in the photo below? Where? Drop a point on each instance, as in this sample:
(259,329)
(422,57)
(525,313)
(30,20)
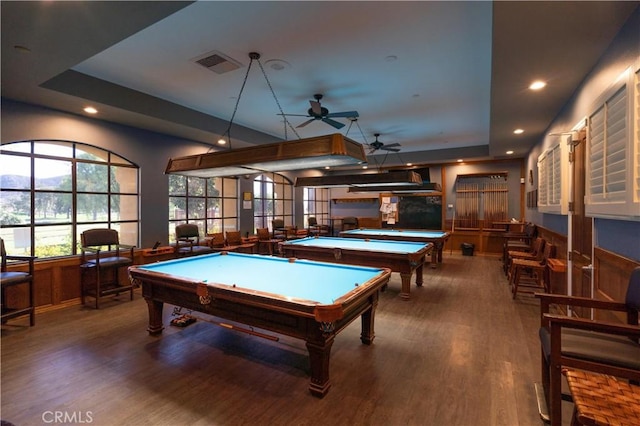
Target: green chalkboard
(419,212)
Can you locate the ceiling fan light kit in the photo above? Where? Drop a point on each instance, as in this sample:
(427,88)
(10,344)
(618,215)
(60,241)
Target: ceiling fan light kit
(318,112)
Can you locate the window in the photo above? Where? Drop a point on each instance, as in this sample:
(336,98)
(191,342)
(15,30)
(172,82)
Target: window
(273,199)
(553,175)
(316,204)
(51,191)
(613,151)
(210,203)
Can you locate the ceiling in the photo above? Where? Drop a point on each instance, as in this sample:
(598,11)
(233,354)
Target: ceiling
(446,80)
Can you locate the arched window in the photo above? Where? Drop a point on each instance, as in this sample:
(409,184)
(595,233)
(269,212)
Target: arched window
(273,199)
(210,203)
(51,191)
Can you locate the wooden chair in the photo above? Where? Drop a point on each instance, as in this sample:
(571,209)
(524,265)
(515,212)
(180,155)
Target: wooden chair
(215,240)
(265,240)
(518,241)
(316,229)
(601,346)
(349,223)
(235,243)
(103,255)
(188,241)
(536,252)
(15,278)
(535,269)
(278,229)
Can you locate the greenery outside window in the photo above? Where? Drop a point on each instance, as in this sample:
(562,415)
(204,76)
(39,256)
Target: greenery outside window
(210,203)
(52,191)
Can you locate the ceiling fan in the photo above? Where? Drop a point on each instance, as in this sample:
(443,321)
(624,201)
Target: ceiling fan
(376,145)
(318,112)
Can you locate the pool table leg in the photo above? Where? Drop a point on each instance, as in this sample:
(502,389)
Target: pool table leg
(367,319)
(319,353)
(406,285)
(155,316)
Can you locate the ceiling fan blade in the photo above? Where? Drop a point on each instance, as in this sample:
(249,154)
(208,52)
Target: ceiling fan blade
(295,115)
(315,107)
(348,114)
(333,123)
(392,144)
(391,149)
(305,123)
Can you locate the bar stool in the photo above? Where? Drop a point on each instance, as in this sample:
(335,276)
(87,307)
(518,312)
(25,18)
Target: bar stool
(600,399)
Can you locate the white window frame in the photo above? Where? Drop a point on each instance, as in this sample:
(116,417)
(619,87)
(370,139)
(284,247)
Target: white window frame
(553,177)
(601,197)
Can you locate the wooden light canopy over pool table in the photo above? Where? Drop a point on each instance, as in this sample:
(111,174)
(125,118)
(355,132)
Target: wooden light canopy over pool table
(399,256)
(308,300)
(437,238)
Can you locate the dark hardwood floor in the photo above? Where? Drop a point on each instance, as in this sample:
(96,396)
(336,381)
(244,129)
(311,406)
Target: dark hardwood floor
(460,352)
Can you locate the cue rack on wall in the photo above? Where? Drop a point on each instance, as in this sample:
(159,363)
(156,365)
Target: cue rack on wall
(481,197)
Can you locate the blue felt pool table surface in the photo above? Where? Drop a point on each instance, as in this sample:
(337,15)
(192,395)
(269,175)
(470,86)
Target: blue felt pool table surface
(301,280)
(395,233)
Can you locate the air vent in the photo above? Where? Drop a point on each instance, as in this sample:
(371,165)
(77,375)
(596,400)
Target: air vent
(217,62)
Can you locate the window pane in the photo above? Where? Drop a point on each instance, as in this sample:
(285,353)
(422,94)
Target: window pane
(16,172)
(214,225)
(127,232)
(17,147)
(196,186)
(52,174)
(230,225)
(52,207)
(124,179)
(124,207)
(92,177)
(196,208)
(17,241)
(92,208)
(15,207)
(53,240)
(177,208)
(87,152)
(213,187)
(177,185)
(229,208)
(54,149)
(230,188)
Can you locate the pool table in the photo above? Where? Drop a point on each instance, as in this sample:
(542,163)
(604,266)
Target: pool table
(399,256)
(437,238)
(308,300)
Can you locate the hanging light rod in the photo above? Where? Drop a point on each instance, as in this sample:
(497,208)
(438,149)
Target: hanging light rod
(317,152)
(386,180)
(401,189)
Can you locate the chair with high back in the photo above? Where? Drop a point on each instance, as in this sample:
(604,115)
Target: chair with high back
(530,274)
(14,278)
(102,258)
(235,243)
(518,241)
(215,240)
(349,223)
(278,229)
(537,249)
(316,229)
(188,240)
(605,347)
(265,240)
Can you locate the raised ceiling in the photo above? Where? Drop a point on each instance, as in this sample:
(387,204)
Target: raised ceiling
(446,80)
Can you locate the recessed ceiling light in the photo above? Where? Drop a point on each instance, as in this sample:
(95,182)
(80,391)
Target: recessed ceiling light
(509,152)
(327,167)
(391,58)
(221,141)
(365,167)
(518,131)
(90,110)
(537,85)
(460,160)
(409,164)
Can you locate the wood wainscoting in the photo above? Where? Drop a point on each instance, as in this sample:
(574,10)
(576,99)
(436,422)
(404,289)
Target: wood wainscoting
(611,280)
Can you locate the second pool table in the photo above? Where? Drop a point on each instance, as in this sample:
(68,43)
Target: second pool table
(437,238)
(399,256)
(299,298)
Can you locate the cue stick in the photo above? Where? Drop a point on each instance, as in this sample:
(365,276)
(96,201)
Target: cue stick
(250,331)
